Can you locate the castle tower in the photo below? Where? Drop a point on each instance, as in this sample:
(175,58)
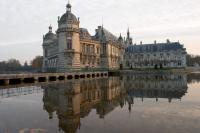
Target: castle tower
(68,41)
(49,40)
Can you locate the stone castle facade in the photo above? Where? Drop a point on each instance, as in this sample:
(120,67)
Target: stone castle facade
(157,55)
(73,48)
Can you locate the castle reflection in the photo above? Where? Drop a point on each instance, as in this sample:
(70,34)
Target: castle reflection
(156,86)
(75,99)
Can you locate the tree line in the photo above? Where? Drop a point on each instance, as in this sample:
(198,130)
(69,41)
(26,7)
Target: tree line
(193,60)
(14,66)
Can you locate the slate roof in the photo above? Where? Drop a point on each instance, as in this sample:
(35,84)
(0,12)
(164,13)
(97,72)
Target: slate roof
(84,34)
(159,47)
(104,35)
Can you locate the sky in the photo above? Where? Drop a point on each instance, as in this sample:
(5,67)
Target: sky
(23,22)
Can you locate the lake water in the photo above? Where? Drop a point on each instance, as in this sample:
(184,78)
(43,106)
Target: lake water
(161,103)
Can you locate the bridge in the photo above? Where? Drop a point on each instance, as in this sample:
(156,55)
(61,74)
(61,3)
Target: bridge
(12,79)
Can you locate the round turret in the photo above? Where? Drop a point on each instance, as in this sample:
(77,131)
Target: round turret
(50,35)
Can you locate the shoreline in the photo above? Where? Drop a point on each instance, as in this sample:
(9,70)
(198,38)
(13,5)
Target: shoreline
(156,71)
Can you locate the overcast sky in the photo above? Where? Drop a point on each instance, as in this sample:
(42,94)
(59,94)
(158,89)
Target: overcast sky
(23,22)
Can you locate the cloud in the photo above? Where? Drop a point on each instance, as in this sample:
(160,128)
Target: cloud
(26,21)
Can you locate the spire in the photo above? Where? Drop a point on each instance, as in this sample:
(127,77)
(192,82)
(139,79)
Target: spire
(120,36)
(69,7)
(129,40)
(50,28)
(102,27)
(120,39)
(128,33)
(102,23)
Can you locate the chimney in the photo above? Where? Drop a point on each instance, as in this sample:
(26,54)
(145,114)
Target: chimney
(168,41)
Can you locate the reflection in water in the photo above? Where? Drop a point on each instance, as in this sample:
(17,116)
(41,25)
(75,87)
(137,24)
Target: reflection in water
(74,100)
(193,77)
(14,92)
(156,86)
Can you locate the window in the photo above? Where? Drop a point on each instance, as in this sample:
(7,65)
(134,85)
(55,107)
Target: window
(88,49)
(161,56)
(83,49)
(69,44)
(93,49)
(45,53)
(104,48)
(46,63)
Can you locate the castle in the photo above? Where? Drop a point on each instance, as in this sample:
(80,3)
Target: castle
(73,48)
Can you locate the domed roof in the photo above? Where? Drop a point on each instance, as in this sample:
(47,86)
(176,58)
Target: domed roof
(50,34)
(67,16)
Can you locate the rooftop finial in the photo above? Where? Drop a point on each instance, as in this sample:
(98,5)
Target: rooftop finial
(69,6)
(102,22)
(50,28)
